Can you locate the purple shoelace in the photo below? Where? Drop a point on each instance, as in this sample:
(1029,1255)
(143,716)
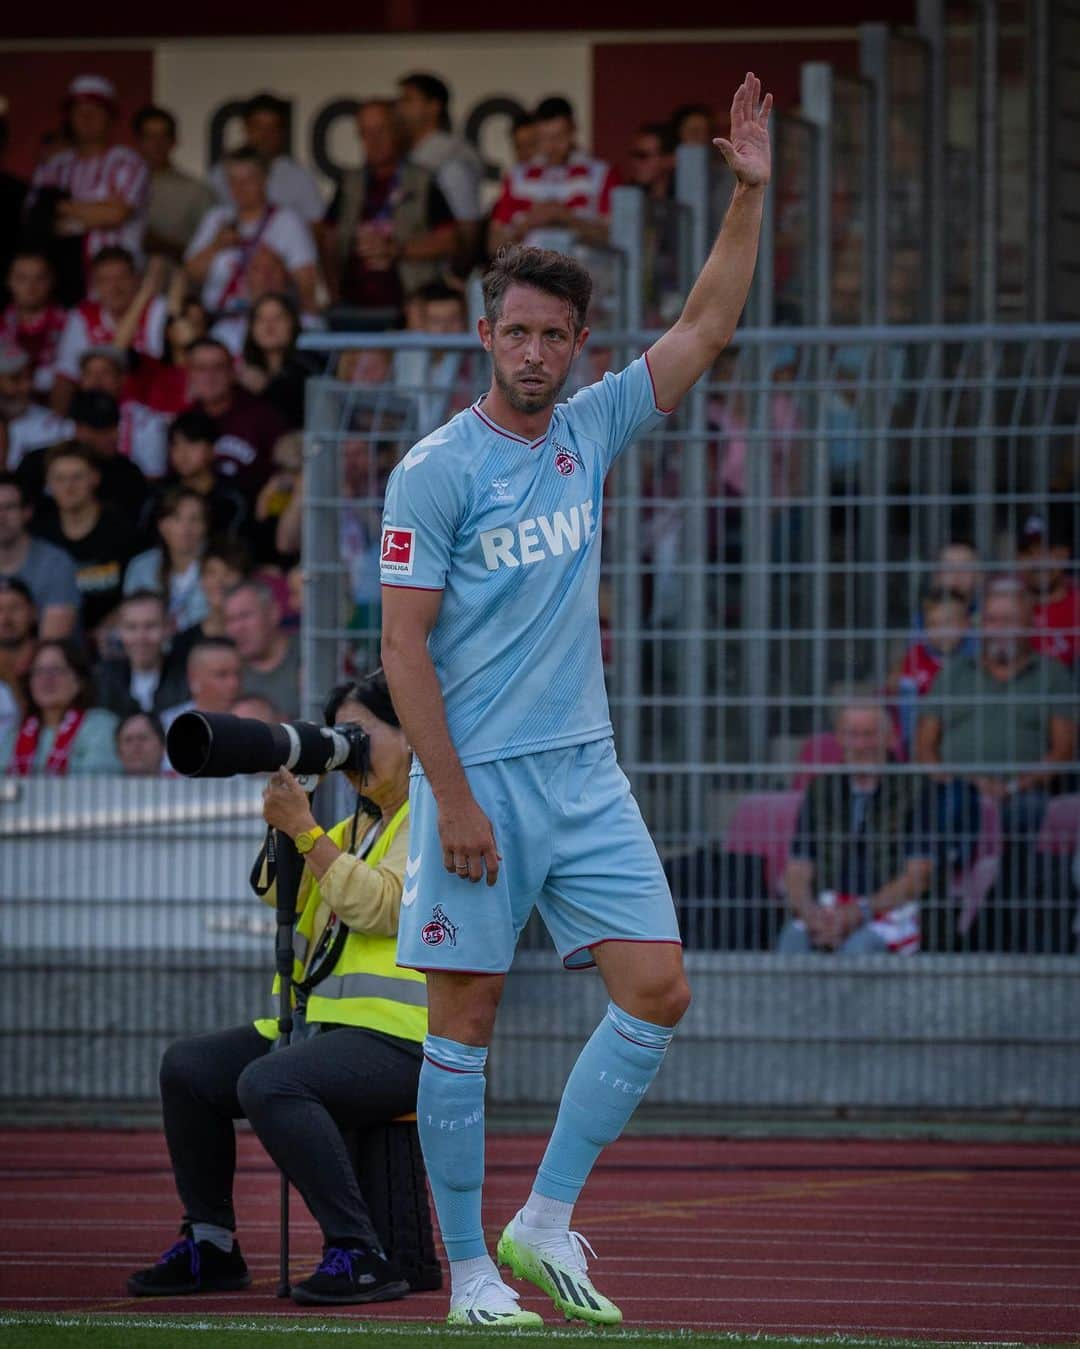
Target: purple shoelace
(185,1246)
(337,1261)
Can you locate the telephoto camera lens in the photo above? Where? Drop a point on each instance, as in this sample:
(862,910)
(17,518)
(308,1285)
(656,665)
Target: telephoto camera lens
(217,745)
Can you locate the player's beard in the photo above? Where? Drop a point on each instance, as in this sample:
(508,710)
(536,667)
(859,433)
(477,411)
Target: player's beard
(528,401)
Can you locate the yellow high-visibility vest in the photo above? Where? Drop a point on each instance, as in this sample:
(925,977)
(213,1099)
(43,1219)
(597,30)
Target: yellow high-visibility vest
(366,987)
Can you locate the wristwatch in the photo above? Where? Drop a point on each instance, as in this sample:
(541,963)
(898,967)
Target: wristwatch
(307,839)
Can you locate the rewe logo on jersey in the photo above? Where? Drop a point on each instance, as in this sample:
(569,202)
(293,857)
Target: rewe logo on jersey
(534,540)
(397,551)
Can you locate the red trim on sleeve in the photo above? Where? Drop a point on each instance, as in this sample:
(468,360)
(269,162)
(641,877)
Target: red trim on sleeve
(656,402)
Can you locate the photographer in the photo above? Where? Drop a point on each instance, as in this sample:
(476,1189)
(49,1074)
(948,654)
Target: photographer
(356,1048)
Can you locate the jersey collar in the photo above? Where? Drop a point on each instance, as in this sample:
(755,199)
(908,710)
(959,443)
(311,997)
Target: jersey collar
(507,435)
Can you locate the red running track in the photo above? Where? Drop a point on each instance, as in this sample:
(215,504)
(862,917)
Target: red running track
(923,1240)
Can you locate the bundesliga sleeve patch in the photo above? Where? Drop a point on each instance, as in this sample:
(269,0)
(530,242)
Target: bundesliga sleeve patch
(397,551)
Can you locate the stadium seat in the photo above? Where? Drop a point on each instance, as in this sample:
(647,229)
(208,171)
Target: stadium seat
(763,824)
(1060,832)
(973,885)
(390,1170)
(823,748)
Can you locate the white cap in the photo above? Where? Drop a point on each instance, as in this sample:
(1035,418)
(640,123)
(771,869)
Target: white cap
(92,86)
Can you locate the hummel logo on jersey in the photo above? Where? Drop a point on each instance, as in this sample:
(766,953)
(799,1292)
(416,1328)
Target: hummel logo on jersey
(412,884)
(536,539)
(500,490)
(397,550)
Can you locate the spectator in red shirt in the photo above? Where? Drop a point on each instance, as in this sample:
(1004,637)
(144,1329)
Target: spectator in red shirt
(561,188)
(1043,552)
(105,186)
(248,427)
(32,321)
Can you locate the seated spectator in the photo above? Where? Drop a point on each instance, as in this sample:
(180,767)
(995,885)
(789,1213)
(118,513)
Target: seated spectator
(258,708)
(143,430)
(524,137)
(100,187)
(945,631)
(177,201)
(172,567)
(97,537)
(652,168)
(140,745)
(271,367)
(218,256)
(652,161)
(271,658)
(62,732)
(861,857)
(18,641)
(25,426)
(192,436)
(693,124)
(226,562)
(46,571)
(248,427)
(266,275)
(275,500)
(445,382)
(389,226)
(423,109)
(1043,553)
(213,677)
(122,311)
(288,184)
(958,570)
(32,321)
(1013,711)
(562,188)
(143,678)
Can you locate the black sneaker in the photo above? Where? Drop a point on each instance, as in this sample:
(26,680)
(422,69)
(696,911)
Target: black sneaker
(192,1267)
(351,1276)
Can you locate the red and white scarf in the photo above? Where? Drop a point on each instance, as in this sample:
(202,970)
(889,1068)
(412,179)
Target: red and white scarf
(59,760)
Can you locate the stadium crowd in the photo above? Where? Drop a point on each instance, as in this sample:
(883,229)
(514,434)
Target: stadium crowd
(151,467)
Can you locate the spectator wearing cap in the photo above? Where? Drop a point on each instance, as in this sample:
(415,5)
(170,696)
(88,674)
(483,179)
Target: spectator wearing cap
(389,227)
(143,678)
(62,734)
(1044,550)
(288,184)
(25,426)
(140,744)
(191,465)
(96,536)
(561,189)
(18,640)
(220,253)
(32,321)
(142,436)
(46,571)
(97,425)
(106,185)
(423,108)
(172,567)
(123,311)
(271,658)
(177,200)
(248,427)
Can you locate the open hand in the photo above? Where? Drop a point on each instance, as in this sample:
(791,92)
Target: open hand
(748,152)
(468,841)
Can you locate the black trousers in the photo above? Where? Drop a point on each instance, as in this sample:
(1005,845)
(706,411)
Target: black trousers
(297,1100)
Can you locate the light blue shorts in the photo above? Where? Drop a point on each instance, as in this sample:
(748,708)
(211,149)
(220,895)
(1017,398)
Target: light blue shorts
(573,844)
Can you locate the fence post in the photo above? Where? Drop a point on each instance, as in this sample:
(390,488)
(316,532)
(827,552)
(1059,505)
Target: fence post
(321,616)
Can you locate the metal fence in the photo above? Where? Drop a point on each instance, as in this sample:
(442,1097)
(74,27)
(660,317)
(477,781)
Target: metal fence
(772,558)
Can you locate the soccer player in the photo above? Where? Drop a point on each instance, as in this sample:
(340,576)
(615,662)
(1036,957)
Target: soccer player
(491,644)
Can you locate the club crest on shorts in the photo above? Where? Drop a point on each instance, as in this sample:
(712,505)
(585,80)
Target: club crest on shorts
(440,929)
(566,461)
(396,555)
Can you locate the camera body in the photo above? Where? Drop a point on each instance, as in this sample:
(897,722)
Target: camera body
(218,745)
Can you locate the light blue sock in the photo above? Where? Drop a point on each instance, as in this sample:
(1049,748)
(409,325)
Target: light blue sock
(612,1074)
(450,1120)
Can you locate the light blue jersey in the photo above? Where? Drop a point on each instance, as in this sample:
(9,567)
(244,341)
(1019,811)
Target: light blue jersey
(510,531)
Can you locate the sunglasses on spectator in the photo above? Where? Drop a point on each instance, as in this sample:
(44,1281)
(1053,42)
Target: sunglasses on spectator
(939,595)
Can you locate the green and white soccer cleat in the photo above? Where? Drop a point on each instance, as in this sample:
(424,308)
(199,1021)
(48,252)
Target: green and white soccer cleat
(554,1260)
(487,1301)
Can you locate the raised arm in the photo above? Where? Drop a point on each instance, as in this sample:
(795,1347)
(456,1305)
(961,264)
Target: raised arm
(709,318)
(408,615)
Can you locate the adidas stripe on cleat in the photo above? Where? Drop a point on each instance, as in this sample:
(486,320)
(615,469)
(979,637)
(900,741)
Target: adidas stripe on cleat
(487,1301)
(554,1260)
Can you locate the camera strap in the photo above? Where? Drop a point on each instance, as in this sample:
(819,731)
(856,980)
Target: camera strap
(336,933)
